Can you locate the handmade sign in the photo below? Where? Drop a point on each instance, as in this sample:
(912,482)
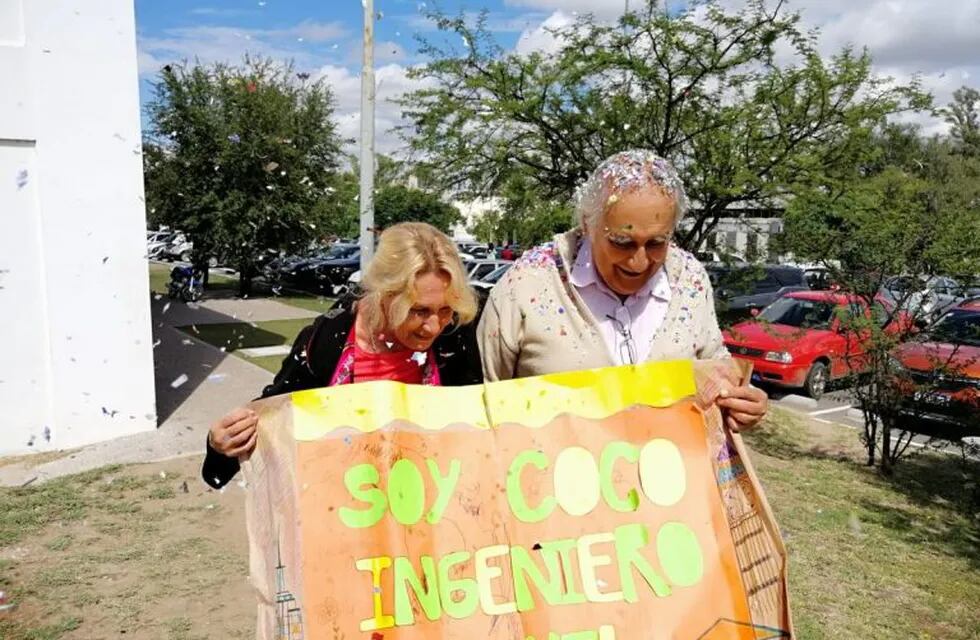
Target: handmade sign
(603,505)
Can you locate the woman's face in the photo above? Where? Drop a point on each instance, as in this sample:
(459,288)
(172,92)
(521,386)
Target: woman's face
(429,314)
(630,242)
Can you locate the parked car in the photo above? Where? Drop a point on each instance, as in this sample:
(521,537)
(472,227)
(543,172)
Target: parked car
(709,256)
(157,242)
(327,270)
(926,299)
(742,289)
(483,286)
(939,373)
(478,269)
(799,341)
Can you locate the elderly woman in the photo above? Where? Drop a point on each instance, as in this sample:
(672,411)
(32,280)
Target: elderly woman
(411,324)
(613,291)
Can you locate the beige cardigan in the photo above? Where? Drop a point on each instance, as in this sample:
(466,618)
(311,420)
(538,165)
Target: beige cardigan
(535,322)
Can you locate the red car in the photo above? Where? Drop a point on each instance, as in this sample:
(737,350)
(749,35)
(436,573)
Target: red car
(941,367)
(797,341)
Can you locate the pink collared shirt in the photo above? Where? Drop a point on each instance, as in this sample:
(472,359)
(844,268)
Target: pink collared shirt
(627,327)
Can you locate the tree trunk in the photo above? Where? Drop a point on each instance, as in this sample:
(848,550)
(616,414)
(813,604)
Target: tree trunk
(244,280)
(886,449)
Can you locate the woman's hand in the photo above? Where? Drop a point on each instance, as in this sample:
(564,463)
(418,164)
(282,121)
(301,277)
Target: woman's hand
(744,407)
(234,435)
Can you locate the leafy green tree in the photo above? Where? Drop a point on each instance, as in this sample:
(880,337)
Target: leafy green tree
(524,216)
(703,87)
(963,113)
(242,159)
(913,211)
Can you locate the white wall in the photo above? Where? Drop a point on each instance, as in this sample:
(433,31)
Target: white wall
(76,360)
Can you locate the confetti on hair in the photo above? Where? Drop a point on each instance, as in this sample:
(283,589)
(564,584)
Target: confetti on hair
(625,172)
(179,381)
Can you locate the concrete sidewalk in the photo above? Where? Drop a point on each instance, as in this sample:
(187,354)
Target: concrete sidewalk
(196,383)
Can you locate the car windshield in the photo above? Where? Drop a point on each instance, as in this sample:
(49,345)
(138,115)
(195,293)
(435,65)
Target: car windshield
(957,327)
(796,312)
(494,276)
(337,252)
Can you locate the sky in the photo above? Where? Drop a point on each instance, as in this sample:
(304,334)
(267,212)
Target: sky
(939,41)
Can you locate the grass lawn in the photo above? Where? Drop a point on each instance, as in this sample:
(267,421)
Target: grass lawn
(233,336)
(160,278)
(126,550)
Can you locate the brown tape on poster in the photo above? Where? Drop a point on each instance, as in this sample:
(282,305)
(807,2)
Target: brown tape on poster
(602,505)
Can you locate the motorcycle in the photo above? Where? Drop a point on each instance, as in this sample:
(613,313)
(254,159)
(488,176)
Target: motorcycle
(186,283)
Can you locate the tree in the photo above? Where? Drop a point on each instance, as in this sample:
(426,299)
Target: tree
(912,210)
(394,200)
(963,113)
(242,159)
(702,87)
(524,217)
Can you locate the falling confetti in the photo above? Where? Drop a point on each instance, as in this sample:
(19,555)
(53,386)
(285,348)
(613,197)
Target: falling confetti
(181,379)
(163,475)
(21,179)
(234,138)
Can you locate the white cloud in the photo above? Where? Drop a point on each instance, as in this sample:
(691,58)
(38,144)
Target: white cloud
(541,38)
(604,8)
(939,42)
(391,81)
(229,44)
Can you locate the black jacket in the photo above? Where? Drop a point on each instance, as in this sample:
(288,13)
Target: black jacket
(314,356)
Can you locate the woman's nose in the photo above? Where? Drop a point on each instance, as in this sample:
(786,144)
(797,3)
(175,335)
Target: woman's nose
(432,325)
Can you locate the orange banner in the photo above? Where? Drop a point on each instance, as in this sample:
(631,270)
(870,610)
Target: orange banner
(622,519)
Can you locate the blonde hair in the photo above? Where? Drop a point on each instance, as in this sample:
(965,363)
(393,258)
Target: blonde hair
(405,252)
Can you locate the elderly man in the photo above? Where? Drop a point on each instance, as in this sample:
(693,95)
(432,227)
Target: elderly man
(613,291)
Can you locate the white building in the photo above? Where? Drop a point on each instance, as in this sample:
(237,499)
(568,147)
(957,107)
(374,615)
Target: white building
(472,211)
(76,363)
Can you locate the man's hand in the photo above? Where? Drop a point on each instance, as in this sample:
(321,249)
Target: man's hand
(744,407)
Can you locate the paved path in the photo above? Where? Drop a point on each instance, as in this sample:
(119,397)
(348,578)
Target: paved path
(195,384)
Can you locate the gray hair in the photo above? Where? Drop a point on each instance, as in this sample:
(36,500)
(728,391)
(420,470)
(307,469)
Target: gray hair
(624,172)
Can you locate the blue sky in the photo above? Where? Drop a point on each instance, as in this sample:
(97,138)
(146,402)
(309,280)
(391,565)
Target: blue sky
(937,41)
(320,36)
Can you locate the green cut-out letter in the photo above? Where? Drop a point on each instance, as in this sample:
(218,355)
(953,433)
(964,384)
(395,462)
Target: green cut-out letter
(515,495)
(355,479)
(445,486)
(524,567)
(680,554)
(406,492)
(612,452)
(630,539)
(563,550)
(426,591)
(449,585)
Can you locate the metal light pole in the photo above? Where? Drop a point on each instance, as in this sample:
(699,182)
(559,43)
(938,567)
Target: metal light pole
(367,138)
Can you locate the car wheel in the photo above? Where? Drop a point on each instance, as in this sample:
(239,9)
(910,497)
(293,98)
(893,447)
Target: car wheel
(186,256)
(816,380)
